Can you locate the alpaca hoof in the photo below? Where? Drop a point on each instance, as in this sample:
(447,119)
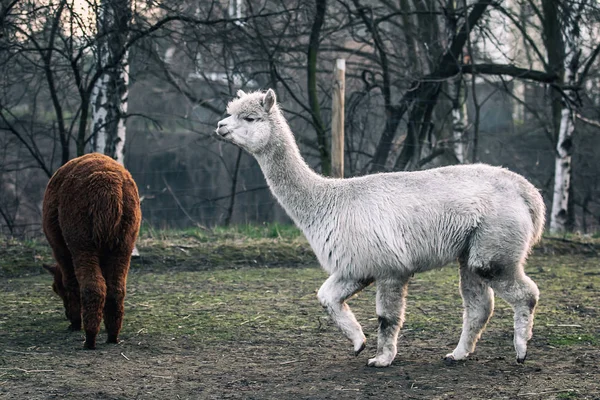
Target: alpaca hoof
(89,346)
(449,359)
(113,340)
(378,362)
(360,349)
(456,355)
(74,328)
(90,341)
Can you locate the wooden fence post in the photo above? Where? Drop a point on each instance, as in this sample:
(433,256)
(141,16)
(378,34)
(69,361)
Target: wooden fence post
(337,119)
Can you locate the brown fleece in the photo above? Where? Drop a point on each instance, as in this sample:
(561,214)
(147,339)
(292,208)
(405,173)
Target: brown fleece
(91,218)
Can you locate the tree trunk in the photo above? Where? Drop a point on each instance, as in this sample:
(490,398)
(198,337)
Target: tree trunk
(337,118)
(555,48)
(313,94)
(456,92)
(109,96)
(562,171)
(564,148)
(459,118)
(518,107)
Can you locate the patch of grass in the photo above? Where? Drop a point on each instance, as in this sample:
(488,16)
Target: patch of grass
(570,339)
(262,231)
(191,254)
(23,257)
(207,306)
(187,249)
(568,395)
(234,232)
(247,302)
(569,243)
(230,247)
(223,305)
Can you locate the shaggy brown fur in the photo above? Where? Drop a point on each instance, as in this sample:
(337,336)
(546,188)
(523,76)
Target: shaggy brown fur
(91,218)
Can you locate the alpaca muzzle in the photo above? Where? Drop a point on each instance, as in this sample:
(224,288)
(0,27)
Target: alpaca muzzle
(222,130)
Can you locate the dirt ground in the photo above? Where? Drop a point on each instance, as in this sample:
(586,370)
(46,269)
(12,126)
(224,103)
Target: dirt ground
(255,332)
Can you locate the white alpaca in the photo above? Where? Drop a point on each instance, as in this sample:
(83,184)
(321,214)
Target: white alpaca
(385,227)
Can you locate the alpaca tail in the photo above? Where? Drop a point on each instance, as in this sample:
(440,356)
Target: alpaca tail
(106,207)
(537,209)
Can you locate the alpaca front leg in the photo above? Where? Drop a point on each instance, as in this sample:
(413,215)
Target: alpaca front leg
(391,295)
(72,302)
(332,296)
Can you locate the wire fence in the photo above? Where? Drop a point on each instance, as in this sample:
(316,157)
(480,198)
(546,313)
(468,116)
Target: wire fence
(185,182)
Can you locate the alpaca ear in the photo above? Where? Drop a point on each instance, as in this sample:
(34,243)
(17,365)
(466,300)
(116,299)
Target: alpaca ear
(50,268)
(269,100)
(240,93)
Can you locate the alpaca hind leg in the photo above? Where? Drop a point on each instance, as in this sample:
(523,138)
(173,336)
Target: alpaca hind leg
(391,296)
(93,293)
(115,273)
(522,294)
(332,296)
(478,302)
(62,255)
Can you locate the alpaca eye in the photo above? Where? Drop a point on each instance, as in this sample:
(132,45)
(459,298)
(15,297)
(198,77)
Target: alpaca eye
(249,119)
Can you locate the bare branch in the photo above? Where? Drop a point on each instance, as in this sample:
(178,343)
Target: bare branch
(511,70)
(588,121)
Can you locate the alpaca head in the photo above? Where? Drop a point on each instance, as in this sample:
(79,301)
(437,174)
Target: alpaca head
(58,285)
(250,121)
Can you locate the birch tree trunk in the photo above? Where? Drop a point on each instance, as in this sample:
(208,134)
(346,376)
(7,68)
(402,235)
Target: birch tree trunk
(518,109)
(456,89)
(459,118)
(109,96)
(562,170)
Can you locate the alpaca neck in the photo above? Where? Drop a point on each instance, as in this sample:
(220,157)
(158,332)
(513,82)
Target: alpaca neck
(292,181)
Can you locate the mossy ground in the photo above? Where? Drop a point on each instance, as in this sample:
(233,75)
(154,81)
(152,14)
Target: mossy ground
(233,314)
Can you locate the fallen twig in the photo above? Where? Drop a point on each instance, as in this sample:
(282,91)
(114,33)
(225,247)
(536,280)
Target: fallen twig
(343,389)
(288,362)
(181,249)
(547,392)
(127,358)
(253,319)
(28,371)
(160,376)
(423,311)
(25,352)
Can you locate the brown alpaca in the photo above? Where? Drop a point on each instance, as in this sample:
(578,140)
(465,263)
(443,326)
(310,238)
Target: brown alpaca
(91,218)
